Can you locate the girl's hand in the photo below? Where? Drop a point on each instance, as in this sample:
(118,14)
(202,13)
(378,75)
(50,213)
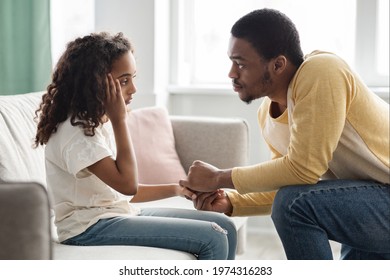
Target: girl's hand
(185,192)
(114,104)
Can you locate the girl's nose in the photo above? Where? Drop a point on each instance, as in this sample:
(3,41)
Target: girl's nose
(132,88)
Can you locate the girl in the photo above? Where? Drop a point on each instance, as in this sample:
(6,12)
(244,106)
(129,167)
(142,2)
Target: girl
(91,175)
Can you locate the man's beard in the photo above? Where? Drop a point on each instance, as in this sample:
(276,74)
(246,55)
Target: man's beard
(265,81)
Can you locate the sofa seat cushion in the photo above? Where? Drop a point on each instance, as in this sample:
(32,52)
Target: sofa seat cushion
(68,252)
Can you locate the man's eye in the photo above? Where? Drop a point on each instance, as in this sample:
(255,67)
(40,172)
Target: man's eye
(239,65)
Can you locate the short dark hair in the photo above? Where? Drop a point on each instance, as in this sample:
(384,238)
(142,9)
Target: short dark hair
(271,33)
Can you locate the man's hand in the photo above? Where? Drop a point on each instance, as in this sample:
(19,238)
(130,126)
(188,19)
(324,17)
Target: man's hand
(216,201)
(204,177)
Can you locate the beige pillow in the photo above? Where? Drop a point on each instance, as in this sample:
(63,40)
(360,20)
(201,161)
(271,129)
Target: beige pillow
(154,144)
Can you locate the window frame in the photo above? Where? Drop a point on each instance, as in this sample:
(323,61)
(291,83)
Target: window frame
(181,79)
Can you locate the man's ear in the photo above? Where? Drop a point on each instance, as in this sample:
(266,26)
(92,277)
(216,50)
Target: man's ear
(280,63)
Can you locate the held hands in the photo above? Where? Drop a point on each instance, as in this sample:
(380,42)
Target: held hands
(202,177)
(204,180)
(114,104)
(216,201)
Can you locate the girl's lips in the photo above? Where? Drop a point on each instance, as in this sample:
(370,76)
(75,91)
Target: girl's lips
(128,101)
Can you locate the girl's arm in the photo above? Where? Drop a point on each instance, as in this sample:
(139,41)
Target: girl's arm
(121,173)
(154,192)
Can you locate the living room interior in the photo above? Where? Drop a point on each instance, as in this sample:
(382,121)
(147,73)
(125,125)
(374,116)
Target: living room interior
(176,62)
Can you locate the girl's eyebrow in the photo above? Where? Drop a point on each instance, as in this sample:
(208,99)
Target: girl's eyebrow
(127,74)
(124,75)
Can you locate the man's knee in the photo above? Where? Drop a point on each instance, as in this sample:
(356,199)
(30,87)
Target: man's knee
(283,202)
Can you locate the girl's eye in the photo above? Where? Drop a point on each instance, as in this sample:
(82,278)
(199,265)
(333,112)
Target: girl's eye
(124,82)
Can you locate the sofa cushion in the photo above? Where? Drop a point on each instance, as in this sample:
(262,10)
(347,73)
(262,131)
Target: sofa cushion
(19,161)
(25,222)
(117,252)
(154,144)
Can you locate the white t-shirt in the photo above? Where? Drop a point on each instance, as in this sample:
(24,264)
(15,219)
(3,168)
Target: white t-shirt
(80,198)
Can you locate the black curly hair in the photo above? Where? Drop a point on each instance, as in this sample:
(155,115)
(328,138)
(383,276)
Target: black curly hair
(78,84)
(271,33)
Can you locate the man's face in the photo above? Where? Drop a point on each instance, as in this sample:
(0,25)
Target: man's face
(249,72)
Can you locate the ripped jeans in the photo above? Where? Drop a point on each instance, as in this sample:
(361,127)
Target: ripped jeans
(351,212)
(207,235)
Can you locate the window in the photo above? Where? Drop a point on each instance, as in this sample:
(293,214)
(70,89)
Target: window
(69,20)
(382,44)
(201,31)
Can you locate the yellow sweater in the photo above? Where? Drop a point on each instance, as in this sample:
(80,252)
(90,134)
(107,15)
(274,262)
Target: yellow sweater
(334,127)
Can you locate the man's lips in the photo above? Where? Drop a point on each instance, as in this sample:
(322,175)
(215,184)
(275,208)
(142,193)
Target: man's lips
(236,86)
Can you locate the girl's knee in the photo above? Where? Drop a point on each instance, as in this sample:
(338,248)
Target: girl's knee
(217,246)
(228,225)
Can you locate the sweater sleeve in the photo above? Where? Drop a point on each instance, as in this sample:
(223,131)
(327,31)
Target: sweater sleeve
(252,203)
(321,92)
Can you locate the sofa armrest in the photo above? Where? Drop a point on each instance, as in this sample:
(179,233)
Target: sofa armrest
(222,142)
(25,222)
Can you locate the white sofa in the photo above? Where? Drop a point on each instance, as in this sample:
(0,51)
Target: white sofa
(28,231)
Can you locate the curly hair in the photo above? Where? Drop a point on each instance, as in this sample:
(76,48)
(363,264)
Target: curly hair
(78,84)
(271,33)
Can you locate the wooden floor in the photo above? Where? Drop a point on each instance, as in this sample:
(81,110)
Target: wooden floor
(263,243)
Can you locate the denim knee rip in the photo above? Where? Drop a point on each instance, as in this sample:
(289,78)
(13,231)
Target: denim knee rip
(219,228)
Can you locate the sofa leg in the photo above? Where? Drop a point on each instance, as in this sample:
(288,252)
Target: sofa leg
(241,242)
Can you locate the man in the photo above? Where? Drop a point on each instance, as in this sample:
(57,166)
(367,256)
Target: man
(329,137)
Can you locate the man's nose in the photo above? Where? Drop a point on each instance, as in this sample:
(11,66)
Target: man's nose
(233,74)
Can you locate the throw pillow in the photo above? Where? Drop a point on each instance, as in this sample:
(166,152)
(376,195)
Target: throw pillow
(152,135)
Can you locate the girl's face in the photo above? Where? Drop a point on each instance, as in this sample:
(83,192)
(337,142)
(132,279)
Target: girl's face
(124,70)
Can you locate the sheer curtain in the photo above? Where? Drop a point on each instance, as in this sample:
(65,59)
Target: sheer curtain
(25,56)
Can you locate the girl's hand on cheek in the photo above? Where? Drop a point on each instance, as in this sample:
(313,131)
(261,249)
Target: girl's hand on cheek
(114,104)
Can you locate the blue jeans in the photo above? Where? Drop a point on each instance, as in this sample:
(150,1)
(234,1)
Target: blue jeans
(207,235)
(353,213)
